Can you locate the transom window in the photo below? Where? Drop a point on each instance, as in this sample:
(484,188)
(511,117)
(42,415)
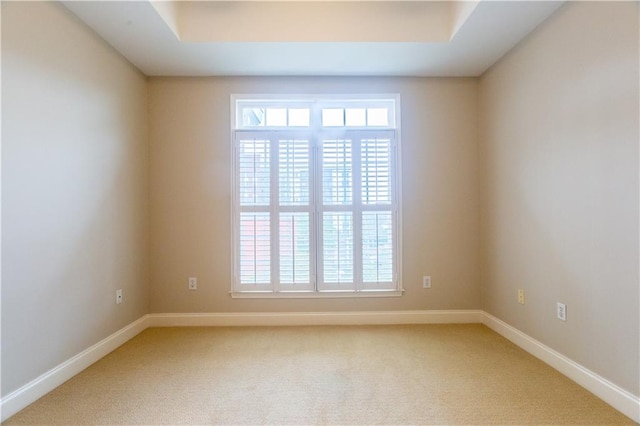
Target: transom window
(315,196)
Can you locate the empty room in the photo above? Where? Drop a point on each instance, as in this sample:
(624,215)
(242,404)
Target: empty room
(320,212)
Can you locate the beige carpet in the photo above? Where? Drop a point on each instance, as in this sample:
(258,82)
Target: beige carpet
(419,374)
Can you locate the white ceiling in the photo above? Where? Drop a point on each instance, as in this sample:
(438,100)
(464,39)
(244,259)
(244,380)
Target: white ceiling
(313,37)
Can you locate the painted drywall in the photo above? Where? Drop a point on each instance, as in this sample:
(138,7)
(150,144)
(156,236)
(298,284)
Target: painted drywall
(74,190)
(190,223)
(359,22)
(559,164)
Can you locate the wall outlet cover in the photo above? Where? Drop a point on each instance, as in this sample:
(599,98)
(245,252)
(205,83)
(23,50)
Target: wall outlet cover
(562,311)
(193,283)
(426,281)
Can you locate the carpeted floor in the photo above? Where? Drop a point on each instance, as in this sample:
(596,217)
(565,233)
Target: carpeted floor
(417,374)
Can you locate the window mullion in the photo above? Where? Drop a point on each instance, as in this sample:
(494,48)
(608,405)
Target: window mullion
(314,238)
(318,208)
(275,213)
(357,209)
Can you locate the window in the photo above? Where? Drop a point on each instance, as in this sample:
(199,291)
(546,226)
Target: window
(315,196)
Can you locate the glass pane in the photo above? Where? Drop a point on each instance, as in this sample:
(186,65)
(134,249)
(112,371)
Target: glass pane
(377,117)
(298,117)
(376,171)
(337,247)
(276,117)
(255,252)
(356,116)
(337,167)
(295,257)
(253,117)
(254,172)
(332,117)
(377,247)
(293,162)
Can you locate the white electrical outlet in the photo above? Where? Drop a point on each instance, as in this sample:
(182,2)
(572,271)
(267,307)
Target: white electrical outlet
(118,296)
(562,311)
(521,296)
(193,283)
(426,281)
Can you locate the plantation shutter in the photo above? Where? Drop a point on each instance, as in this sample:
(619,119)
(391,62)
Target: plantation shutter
(315,205)
(295,211)
(377,216)
(253,180)
(273,181)
(357,214)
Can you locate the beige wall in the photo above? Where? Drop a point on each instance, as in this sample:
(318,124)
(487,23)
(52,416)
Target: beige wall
(190,173)
(559,155)
(74,190)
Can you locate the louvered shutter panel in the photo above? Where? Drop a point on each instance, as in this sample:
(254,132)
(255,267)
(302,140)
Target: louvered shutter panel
(337,172)
(377,247)
(255,249)
(295,255)
(337,248)
(337,227)
(253,174)
(294,172)
(376,171)
(294,168)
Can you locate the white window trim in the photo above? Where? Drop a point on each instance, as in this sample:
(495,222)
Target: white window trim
(317,102)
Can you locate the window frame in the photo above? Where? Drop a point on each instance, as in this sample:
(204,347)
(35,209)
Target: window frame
(315,134)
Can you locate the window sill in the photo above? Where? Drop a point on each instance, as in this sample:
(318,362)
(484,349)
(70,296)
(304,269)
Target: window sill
(315,295)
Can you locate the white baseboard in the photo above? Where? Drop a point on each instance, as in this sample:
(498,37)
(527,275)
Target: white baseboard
(37,388)
(617,397)
(620,399)
(314,318)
